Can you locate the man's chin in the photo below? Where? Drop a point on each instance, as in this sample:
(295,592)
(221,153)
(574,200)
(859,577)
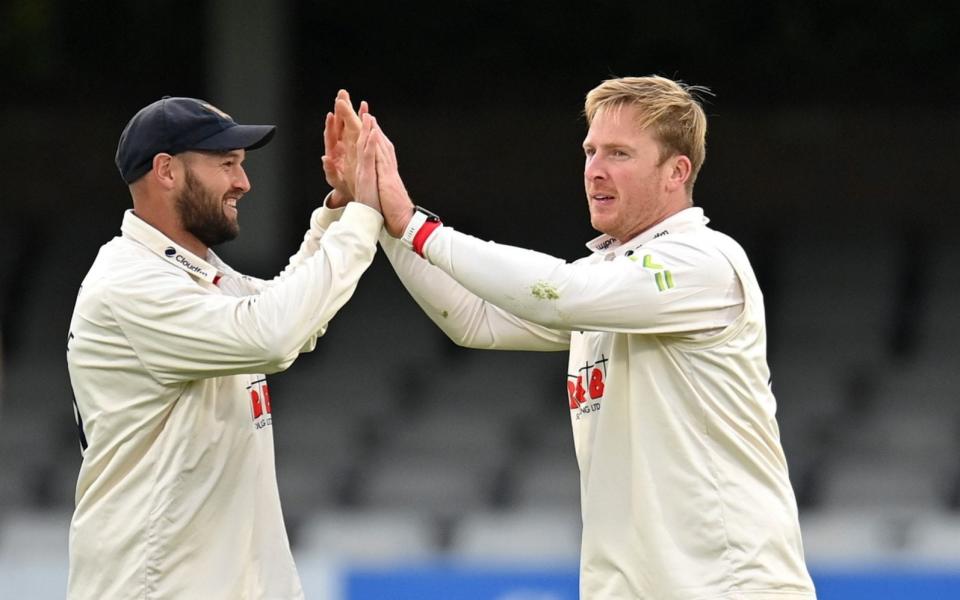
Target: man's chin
(231,235)
(231,226)
(600,224)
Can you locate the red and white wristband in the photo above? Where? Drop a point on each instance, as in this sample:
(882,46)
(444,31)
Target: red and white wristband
(421,226)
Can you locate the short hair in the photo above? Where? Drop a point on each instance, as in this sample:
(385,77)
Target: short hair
(670,109)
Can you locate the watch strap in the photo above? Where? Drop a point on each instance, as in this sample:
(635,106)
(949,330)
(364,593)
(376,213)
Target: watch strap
(421,225)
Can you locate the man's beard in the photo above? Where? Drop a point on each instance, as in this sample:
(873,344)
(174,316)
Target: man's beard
(202,214)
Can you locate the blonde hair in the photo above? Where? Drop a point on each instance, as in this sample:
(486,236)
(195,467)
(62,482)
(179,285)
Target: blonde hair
(670,109)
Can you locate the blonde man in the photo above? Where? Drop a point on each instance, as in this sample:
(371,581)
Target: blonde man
(684,486)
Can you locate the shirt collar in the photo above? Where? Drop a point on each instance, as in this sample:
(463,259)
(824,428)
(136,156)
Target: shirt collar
(139,230)
(684,220)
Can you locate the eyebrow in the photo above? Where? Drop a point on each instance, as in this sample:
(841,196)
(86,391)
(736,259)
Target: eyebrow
(221,154)
(607,146)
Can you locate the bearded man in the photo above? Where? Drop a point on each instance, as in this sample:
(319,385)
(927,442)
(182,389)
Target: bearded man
(168,350)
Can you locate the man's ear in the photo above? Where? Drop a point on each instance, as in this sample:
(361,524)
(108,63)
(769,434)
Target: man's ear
(163,170)
(680,169)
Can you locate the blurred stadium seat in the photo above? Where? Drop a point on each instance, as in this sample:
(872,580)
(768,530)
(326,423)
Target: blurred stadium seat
(434,486)
(520,536)
(29,535)
(545,482)
(368,536)
(836,295)
(886,482)
(851,537)
(935,539)
(938,319)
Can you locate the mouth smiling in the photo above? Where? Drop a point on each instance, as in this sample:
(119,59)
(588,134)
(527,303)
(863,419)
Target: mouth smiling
(601,198)
(231,203)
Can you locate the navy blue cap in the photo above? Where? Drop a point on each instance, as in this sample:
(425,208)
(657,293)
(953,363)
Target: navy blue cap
(175,125)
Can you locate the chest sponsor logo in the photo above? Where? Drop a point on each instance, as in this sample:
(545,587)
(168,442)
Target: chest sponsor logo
(589,399)
(260,403)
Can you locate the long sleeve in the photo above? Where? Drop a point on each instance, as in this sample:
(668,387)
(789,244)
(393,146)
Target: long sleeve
(669,286)
(182,332)
(320,220)
(466,318)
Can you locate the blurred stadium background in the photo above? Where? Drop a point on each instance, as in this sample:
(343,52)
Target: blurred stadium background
(410,468)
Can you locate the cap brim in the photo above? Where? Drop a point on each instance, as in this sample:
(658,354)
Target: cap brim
(248,137)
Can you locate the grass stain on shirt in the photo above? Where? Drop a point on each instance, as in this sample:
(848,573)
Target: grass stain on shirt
(544,291)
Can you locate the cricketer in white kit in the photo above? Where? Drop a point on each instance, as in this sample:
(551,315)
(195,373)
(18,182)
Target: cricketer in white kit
(177,493)
(684,487)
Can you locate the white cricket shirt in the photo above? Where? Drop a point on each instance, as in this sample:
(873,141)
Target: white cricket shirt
(177,493)
(684,487)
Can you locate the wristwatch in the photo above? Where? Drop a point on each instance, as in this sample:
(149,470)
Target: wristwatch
(421,225)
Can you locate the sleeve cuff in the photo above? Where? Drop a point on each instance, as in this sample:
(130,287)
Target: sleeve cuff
(325,216)
(363,217)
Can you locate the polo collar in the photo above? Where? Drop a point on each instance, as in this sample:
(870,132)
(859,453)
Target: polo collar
(684,220)
(140,231)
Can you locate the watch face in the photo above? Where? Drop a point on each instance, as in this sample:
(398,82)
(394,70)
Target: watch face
(430,216)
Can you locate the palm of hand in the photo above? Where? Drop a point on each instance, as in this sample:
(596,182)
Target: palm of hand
(340,168)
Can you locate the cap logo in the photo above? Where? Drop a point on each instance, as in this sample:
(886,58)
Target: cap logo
(216,110)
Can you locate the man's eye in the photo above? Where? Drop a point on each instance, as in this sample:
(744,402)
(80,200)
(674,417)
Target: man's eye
(619,153)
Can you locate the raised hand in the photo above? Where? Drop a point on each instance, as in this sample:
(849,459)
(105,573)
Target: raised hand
(366,159)
(340,132)
(396,206)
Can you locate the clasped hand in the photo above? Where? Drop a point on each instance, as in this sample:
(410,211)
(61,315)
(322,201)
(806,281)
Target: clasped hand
(360,163)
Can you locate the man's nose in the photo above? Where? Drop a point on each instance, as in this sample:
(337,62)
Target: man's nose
(241,181)
(593,169)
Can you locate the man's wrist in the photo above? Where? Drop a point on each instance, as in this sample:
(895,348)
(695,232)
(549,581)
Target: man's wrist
(421,224)
(337,199)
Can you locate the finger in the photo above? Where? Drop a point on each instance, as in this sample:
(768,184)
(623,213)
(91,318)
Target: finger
(389,146)
(386,153)
(338,126)
(349,120)
(370,144)
(343,107)
(366,163)
(340,118)
(364,132)
(345,97)
(364,107)
(369,153)
(329,165)
(388,143)
(367,184)
(385,159)
(373,137)
(329,137)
